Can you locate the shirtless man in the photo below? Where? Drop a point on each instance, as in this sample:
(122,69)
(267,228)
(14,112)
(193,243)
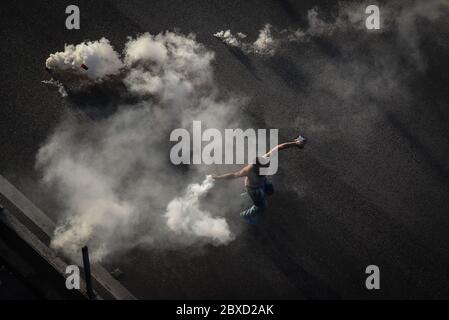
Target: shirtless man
(257,185)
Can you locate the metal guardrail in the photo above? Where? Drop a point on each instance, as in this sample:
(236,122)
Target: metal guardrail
(101,276)
(32,241)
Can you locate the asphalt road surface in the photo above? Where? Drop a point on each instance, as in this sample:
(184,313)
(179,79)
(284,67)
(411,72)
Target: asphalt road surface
(379,197)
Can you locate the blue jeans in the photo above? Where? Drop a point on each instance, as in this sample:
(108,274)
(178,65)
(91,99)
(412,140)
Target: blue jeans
(258,195)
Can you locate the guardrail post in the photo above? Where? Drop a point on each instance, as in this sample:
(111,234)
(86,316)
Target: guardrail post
(87,275)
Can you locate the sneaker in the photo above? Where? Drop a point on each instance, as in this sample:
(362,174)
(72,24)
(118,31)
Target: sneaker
(250,220)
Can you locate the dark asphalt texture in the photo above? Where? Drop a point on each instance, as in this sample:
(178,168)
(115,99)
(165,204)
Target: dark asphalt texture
(386,204)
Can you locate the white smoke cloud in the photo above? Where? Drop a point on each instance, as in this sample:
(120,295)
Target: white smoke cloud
(349,16)
(342,82)
(227,37)
(265,44)
(55,83)
(113,174)
(184,215)
(271,39)
(99,56)
(168,66)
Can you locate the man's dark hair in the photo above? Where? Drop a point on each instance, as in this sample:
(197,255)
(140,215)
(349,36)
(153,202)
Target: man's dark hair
(262,162)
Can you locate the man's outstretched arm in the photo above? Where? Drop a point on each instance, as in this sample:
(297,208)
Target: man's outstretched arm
(299,143)
(233,175)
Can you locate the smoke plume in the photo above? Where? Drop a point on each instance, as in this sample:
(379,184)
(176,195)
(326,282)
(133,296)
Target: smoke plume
(184,215)
(341,75)
(113,173)
(348,16)
(99,55)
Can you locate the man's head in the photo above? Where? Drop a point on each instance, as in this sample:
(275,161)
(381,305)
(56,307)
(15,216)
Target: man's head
(262,162)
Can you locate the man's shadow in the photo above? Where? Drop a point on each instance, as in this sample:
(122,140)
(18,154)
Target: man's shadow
(275,241)
(95,100)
